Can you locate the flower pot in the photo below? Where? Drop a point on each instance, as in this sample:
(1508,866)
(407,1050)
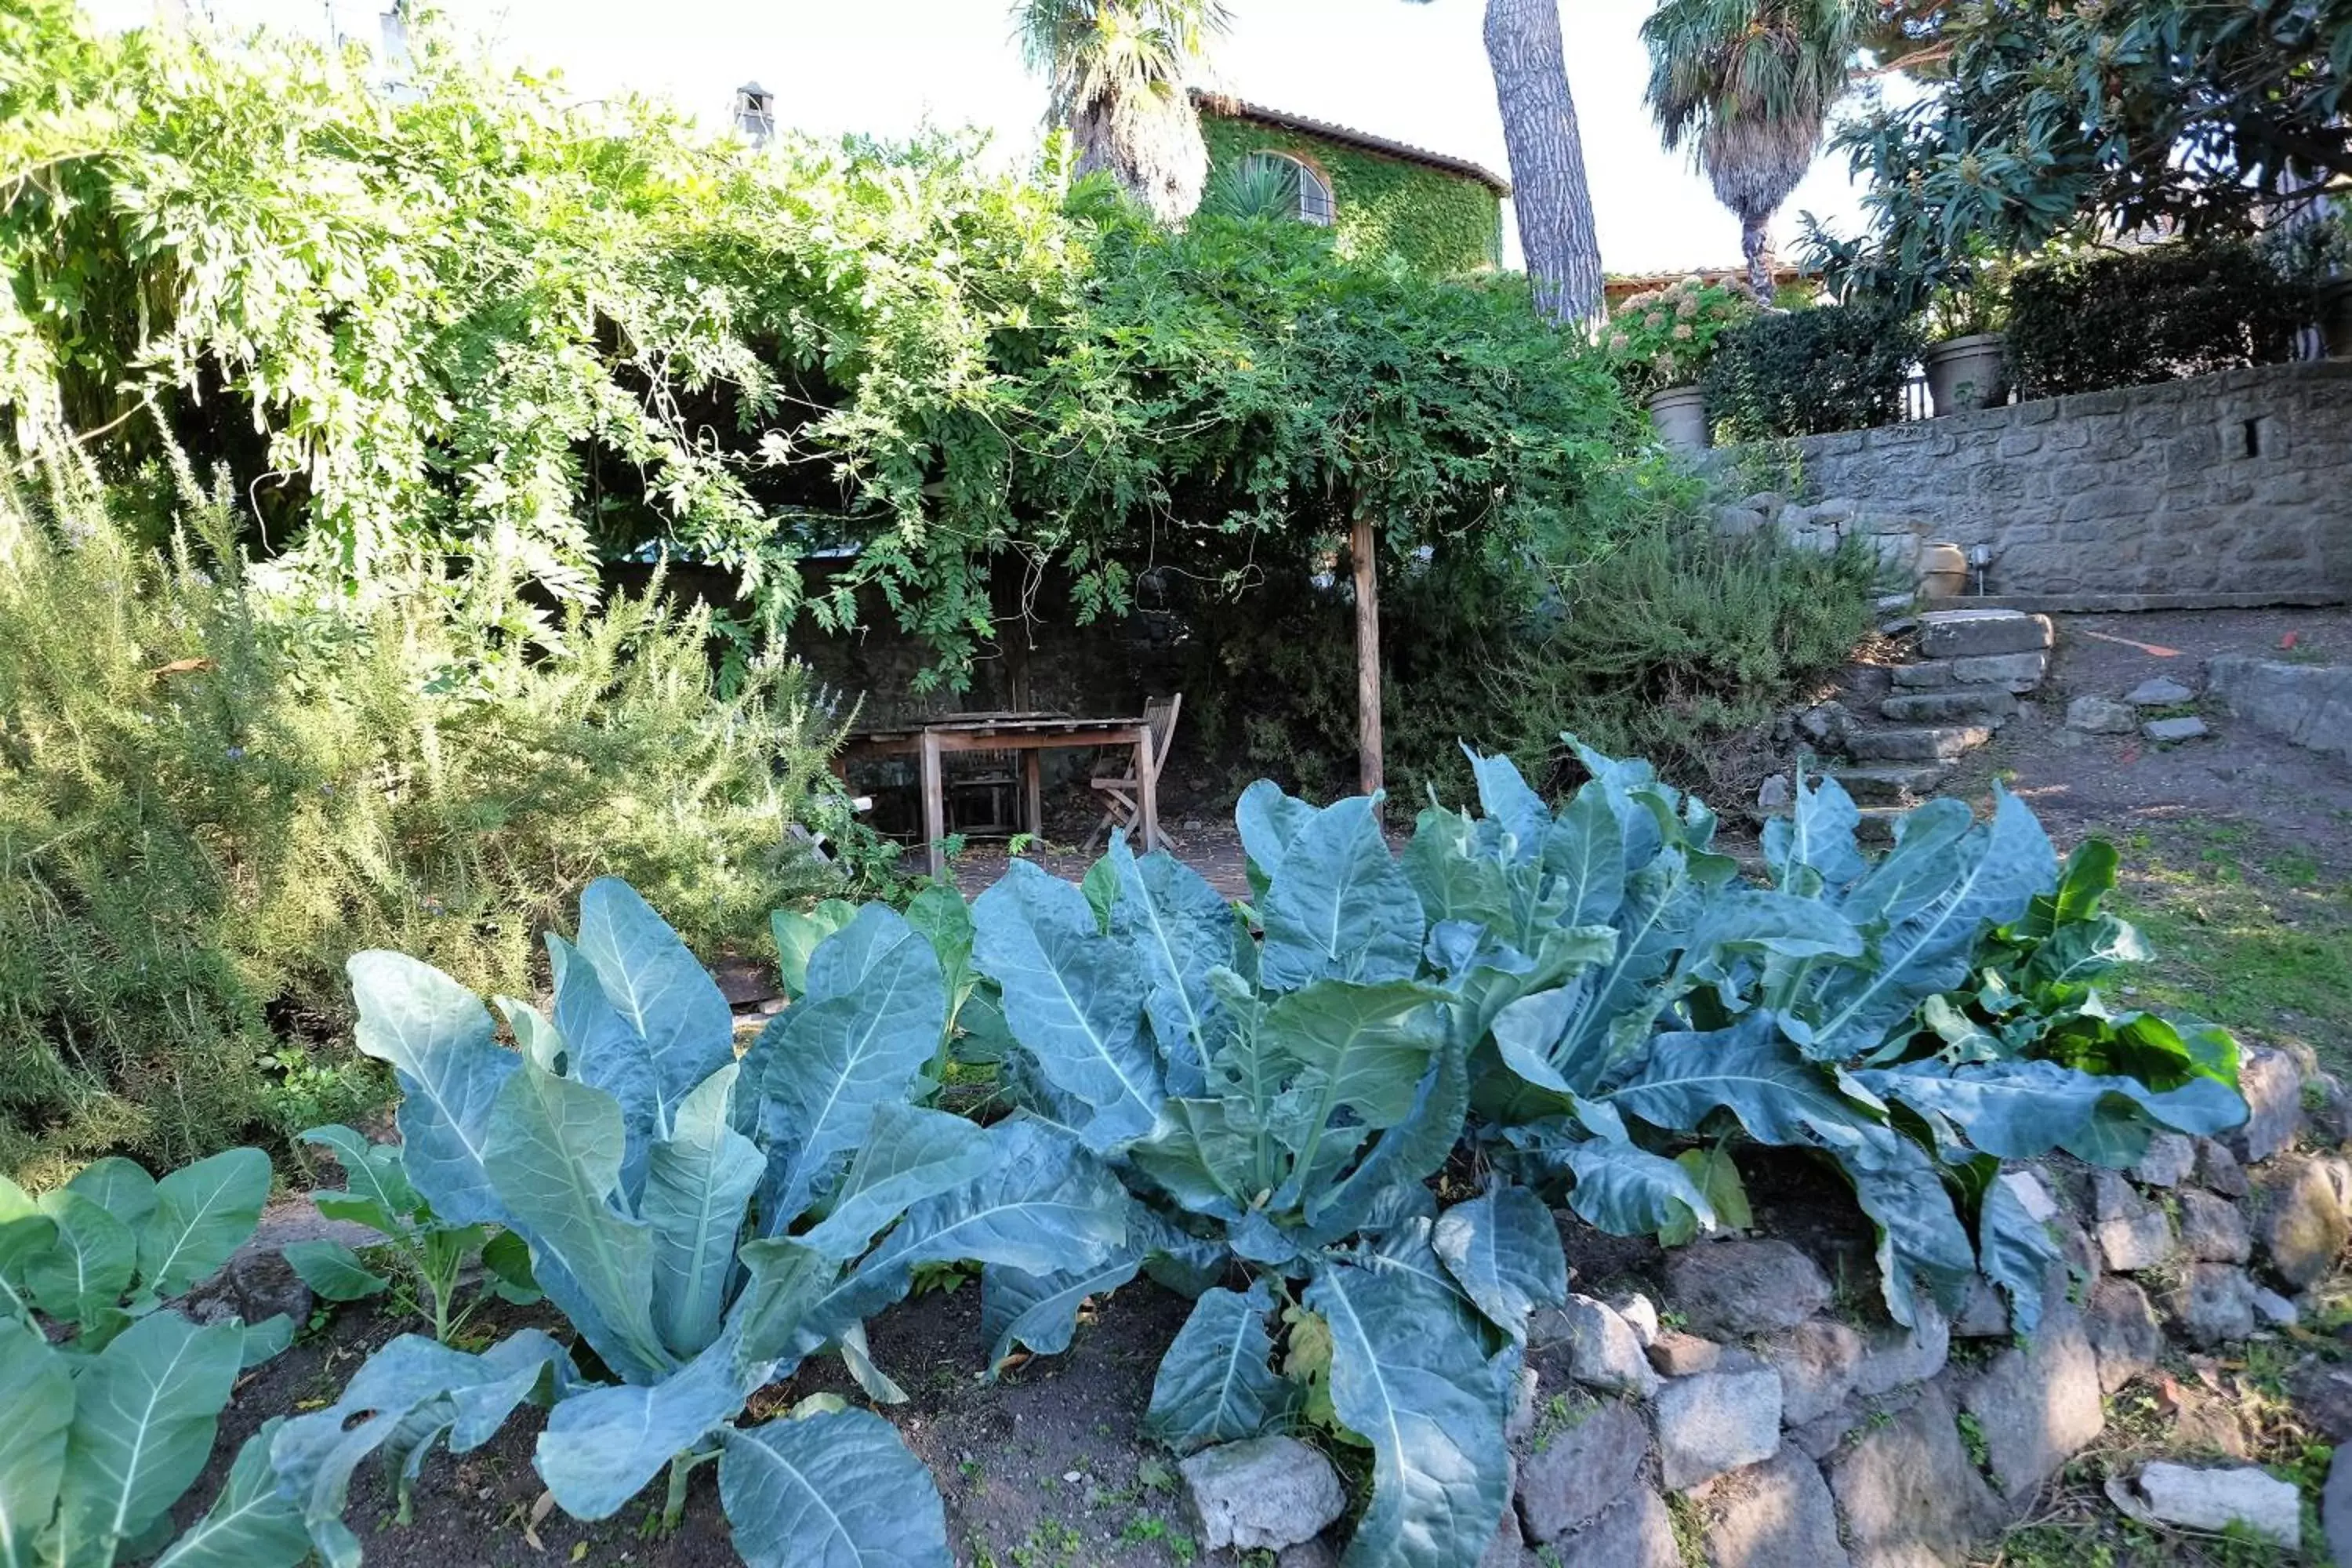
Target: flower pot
(2336,318)
(1965,372)
(1679,415)
(1943,570)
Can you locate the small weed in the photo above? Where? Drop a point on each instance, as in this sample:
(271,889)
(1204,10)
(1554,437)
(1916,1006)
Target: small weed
(1690,1529)
(1561,1413)
(1972,1439)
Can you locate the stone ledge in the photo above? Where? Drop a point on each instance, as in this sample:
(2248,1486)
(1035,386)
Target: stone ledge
(2131,603)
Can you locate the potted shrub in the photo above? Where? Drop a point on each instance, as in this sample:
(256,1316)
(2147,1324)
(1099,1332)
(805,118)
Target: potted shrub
(1659,340)
(1966,361)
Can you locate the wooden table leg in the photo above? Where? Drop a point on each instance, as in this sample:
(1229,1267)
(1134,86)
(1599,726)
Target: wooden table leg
(1033,791)
(1147,793)
(935,805)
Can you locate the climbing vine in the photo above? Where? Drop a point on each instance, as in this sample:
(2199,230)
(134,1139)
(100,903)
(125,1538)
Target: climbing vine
(1443,225)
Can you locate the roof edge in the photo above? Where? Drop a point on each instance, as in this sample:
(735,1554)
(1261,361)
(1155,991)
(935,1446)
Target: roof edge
(1232,108)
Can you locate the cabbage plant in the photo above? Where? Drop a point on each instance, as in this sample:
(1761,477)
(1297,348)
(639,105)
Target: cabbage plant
(113,1399)
(1277,1088)
(1648,992)
(703,1223)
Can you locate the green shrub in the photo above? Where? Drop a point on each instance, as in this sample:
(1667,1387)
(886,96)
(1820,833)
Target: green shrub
(1808,372)
(2085,323)
(211,791)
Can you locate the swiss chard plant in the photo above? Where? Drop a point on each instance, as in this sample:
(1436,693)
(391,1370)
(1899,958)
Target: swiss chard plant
(1276,1088)
(703,1223)
(112,1398)
(1916,1018)
(426,1256)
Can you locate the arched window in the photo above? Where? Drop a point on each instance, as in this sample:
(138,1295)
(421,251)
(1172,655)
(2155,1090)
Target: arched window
(1314,204)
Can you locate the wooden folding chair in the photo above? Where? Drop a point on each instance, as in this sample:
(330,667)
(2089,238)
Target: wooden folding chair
(1123,796)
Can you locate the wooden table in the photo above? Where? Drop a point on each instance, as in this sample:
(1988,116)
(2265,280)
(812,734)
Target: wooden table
(1028,733)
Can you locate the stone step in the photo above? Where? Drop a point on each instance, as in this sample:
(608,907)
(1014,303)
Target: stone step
(1956,704)
(1877,825)
(1970,634)
(2017,673)
(1892,785)
(1938,743)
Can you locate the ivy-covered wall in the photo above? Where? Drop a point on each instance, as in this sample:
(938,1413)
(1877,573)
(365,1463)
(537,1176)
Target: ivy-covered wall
(1441,224)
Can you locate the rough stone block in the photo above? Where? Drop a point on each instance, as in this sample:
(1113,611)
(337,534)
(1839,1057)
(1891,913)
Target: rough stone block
(1777,1514)
(1939,744)
(1678,1354)
(1909,1495)
(2214,1305)
(1958,705)
(2307,705)
(2032,1196)
(2017,672)
(1261,1495)
(1960,634)
(2211,1229)
(1574,1472)
(1895,785)
(2218,1168)
(1717,1422)
(1636,1534)
(2172,732)
(1599,1348)
(1817,1361)
(2144,1241)
(2160,691)
(2096,715)
(2302,1226)
(2170,1157)
(2037,1407)
(2122,1332)
(2273,1087)
(1896,1356)
(1739,1286)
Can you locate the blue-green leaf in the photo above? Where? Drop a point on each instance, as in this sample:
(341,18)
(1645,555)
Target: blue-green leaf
(334,1270)
(1182,928)
(2015,1252)
(1625,1190)
(555,1161)
(2021,1110)
(203,1213)
(145,1409)
(797,935)
(603,1050)
(1074,998)
(88,1266)
(1503,795)
(1920,1237)
(1586,853)
(250,1525)
(837,1488)
(32,1440)
(1411,1382)
(1044,1205)
(658,988)
(1504,1250)
(698,1186)
(371,1172)
(869,1024)
(1217,1384)
(909,1153)
(1818,834)
(1341,908)
(1752,1071)
(1041,1310)
(438,1040)
(118,1186)
(1269,822)
(601,1447)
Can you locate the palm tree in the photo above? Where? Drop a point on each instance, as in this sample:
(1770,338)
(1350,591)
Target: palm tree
(1116,69)
(1749,86)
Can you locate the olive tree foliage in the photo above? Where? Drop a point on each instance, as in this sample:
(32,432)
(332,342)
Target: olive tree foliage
(483,323)
(2096,119)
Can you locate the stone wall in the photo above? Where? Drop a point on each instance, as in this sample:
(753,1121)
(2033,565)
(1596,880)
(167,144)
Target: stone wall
(2233,483)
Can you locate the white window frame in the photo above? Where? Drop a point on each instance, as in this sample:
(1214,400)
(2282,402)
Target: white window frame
(1317,202)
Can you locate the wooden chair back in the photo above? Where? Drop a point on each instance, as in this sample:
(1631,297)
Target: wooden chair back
(1159,718)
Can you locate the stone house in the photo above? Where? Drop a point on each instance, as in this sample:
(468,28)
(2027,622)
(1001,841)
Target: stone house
(1443,214)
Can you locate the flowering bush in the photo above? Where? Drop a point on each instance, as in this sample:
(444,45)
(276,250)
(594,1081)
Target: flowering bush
(1663,337)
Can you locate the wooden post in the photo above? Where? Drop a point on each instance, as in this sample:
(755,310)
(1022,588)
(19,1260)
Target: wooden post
(1369,770)
(935,806)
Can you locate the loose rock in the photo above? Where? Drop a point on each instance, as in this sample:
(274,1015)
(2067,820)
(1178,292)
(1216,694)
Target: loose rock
(2038,1406)
(1575,1473)
(2212,1230)
(2122,1332)
(2302,1227)
(2215,1303)
(2336,1507)
(2100,716)
(255,1286)
(2159,692)
(2276,1310)
(1731,1288)
(2170,730)
(2132,1245)
(1897,1355)
(1678,1354)
(1261,1495)
(1636,1534)
(2216,1499)
(1716,1422)
(1777,1514)
(2218,1168)
(1314,1553)
(2031,1195)
(2170,1157)
(1774,796)
(2273,1087)
(1817,1361)
(1602,1349)
(1641,1315)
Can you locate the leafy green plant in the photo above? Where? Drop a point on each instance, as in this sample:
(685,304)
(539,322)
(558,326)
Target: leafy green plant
(1276,1094)
(429,1255)
(1640,993)
(705,1224)
(1810,372)
(1664,337)
(113,1400)
(2087,320)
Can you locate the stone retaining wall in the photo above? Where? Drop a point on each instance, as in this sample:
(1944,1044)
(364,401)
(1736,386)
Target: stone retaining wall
(2237,482)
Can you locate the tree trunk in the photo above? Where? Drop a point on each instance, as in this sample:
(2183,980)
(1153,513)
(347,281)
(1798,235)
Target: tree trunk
(1548,186)
(1370,770)
(1755,244)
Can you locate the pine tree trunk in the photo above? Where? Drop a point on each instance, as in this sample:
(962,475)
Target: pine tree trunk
(1548,186)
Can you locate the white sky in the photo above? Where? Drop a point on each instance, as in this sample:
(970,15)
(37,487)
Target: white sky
(1415,73)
